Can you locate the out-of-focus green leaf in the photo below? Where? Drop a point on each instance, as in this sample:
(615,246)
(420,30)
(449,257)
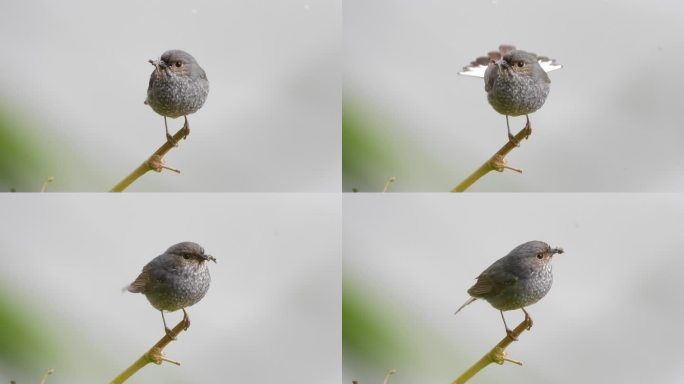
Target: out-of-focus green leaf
(21,155)
(367,327)
(363,153)
(23,343)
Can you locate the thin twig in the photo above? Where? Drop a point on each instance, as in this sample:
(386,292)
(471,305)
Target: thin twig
(388,183)
(45,376)
(496,355)
(387,376)
(46,182)
(154,355)
(153,163)
(495,163)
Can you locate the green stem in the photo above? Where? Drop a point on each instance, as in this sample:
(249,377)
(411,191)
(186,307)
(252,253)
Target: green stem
(496,355)
(154,163)
(495,163)
(154,355)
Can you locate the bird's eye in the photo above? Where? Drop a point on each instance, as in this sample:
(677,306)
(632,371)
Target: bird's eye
(520,64)
(540,256)
(186,256)
(178,64)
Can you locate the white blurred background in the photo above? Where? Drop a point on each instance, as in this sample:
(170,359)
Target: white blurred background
(75,75)
(272,313)
(614,313)
(612,120)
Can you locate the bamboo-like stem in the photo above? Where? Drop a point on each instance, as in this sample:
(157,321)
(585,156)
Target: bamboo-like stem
(496,355)
(496,162)
(154,355)
(153,163)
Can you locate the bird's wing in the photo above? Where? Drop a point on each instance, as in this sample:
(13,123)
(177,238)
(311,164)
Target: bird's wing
(548,65)
(138,286)
(141,282)
(487,285)
(478,67)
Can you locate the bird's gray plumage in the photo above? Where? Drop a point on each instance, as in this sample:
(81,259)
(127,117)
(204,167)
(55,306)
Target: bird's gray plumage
(516,85)
(515,81)
(517,280)
(176,279)
(178,85)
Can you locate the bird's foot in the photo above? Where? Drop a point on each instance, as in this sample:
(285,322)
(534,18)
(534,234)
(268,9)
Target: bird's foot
(170,140)
(513,140)
(511,334)
(169,333)
(528,130)
(186,131)
(186,320)
(529,321)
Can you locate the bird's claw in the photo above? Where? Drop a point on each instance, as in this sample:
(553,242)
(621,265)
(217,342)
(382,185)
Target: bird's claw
(529,322)
(170,334)
(511,334)
(513,140)
(186,320)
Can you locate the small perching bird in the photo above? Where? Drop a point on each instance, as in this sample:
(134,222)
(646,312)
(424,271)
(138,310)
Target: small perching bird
(515,81)
(178,87)
(175,280)
(516,280)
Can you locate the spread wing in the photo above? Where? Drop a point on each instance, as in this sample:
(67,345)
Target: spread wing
(549,65)
(477,67)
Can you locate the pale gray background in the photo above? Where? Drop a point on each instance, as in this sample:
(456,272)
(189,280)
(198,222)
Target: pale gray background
(614,313)
(76,72)
(612,121)
(272,313)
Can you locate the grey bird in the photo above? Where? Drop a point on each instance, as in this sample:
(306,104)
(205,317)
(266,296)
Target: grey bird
(515,81)
(516,280)
(175,280)
(178,87)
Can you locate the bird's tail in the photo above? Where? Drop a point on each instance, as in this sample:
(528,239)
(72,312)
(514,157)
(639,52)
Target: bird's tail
(466,303)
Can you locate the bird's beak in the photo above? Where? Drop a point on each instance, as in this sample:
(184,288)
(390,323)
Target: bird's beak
(556,250)
(209,257)
(157,63)
(501,64)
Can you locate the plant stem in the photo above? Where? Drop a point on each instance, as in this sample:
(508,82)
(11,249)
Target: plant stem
(496,355)
(495,163)
(154,355)
(153,163)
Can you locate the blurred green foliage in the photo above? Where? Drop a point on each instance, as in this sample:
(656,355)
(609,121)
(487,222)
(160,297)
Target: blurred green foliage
(21,155)
(363,153)
(367,331)
(23,343)
(381,332)
(377,145)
